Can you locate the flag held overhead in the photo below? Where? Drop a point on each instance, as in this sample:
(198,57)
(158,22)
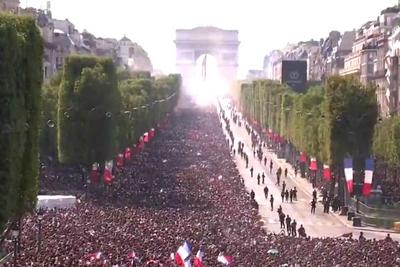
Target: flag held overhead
(225,260)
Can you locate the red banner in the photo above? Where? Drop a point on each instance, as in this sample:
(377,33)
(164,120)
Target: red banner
(128,153)
(327,173)
(94,173)
(313,164)
(108,172)
(146,137)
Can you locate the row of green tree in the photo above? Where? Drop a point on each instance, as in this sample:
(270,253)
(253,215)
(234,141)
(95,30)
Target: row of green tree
(93,111)
(21,52)
(328,122)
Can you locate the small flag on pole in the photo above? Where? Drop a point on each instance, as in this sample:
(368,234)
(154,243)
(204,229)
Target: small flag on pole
(183,255)
(94,174)
(108,172)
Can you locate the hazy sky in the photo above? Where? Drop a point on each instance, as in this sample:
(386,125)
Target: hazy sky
(263,24)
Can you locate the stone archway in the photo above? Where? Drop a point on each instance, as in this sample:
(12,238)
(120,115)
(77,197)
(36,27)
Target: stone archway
(192,43)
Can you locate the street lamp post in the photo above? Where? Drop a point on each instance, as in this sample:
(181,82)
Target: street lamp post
(40,218)
(15,234)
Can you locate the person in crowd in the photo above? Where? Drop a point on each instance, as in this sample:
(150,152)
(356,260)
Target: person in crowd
(266,192)
(388,238)
(279,210)
(252,194)
(271,165)
(288,224)
(302,231)
(326,206)
(314,194)
(295,193)
(287,195)
(293,226)
(291,195)
(282,219)
(271,200)
(278,178)
(361,238)
(313,205)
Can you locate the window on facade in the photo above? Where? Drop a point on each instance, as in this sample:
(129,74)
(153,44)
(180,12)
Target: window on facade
(59,62)
(131,52)
(370,69)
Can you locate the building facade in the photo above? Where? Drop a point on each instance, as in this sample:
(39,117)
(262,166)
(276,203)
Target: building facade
(9,6)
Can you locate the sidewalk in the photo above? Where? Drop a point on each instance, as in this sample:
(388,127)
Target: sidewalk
(307,188)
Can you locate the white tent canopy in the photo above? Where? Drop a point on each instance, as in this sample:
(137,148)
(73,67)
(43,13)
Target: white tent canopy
(55,201)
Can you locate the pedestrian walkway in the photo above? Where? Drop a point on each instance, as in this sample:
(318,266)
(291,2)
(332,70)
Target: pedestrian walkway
(318,224)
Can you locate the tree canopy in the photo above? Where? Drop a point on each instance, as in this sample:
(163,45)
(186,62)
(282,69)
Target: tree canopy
(20,107)
(89,104)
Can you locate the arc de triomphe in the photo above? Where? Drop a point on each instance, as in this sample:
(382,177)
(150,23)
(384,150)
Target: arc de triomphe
(221,44)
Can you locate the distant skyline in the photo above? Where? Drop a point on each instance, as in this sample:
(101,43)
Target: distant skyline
(263,25)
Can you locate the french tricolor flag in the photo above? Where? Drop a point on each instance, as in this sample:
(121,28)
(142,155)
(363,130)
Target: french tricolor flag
(182,256)
(369,172)
(348,173)
(225,260)
(198,260)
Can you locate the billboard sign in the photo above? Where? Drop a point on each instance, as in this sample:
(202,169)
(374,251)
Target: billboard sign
(294,74)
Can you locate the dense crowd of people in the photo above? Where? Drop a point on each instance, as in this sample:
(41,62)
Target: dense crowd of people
(184,186)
